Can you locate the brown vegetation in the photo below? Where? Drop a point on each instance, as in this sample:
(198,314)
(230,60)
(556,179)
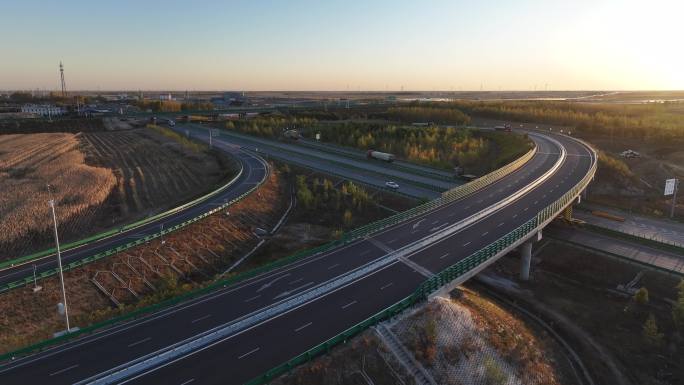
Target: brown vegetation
(100,180)
(28,163)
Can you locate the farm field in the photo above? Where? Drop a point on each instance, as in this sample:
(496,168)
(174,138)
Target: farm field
(99,180)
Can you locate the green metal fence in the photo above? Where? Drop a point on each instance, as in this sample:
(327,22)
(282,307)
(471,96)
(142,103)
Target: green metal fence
(432,284)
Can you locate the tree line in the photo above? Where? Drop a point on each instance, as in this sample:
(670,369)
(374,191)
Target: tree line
(641,121)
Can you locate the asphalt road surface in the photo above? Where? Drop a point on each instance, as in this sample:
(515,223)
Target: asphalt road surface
(249,352)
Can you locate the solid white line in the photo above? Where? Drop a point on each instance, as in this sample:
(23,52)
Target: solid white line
(466,244)
(252,298)
(200,319)
(139,342)
(349,304)
(485,233)
(386,286)
(444,256)
(248,353)
(63,370)
(333,266)
(303,326)
(188,381)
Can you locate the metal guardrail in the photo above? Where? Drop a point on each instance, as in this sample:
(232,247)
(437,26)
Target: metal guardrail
(448,197)
(447,275)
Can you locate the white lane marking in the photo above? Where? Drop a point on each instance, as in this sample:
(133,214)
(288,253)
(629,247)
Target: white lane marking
(349,304)
(200,318)
(365,252)
(526,208)
(480,201)
(439,227)
(386,286)
(485,233)
(252,298)
(333,266)
(466,244)
(435,222)
(63,370)
(142,341)
(303,326)
(515,215)
(288,292)
(444,256)
(188,381)
(271,282)
(248,353)
(392,240)
(418,223)
(295,281)
(500,224)
(466,208)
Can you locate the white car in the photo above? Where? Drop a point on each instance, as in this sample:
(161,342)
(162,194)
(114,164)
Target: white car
(392,185)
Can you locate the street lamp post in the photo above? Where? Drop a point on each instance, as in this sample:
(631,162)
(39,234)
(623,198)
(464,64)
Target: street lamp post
(59,262)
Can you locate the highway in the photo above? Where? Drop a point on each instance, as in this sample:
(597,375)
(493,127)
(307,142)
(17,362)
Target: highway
(250,350)
(254,172)
(413,181)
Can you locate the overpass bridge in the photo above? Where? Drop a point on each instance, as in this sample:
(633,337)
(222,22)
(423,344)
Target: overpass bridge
(259,327)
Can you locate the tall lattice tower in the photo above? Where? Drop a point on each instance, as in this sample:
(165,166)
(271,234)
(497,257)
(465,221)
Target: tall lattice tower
(61,76)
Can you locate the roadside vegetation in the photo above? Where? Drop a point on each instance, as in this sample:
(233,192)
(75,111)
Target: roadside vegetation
(444,147)
(658,121)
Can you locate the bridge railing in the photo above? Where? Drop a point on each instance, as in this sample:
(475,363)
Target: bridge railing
(447,275)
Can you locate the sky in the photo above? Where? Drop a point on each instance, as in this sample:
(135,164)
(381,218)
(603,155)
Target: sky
(343,45)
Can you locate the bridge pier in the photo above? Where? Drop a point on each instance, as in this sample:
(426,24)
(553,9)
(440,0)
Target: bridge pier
(526,256)
(525,260)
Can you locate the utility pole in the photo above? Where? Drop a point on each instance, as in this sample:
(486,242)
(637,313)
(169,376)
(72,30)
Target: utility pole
(674,198)
(59,262)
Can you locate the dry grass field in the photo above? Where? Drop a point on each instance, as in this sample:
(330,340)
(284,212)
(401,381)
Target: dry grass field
(28,163)
(99,180)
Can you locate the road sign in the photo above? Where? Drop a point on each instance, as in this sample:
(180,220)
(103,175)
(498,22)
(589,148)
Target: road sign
(670,186)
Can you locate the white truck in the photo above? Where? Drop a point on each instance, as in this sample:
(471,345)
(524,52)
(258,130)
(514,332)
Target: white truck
(379,155)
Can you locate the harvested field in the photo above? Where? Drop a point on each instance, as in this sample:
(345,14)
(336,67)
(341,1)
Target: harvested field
(188,258)
(100,180)
(27,164)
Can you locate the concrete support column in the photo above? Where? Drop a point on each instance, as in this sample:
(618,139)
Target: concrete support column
(525,260)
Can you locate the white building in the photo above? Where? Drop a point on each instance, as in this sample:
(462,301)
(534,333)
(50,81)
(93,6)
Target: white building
(43,109)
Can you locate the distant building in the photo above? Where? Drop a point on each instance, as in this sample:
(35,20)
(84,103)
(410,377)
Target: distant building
(230,99)
(43,109)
